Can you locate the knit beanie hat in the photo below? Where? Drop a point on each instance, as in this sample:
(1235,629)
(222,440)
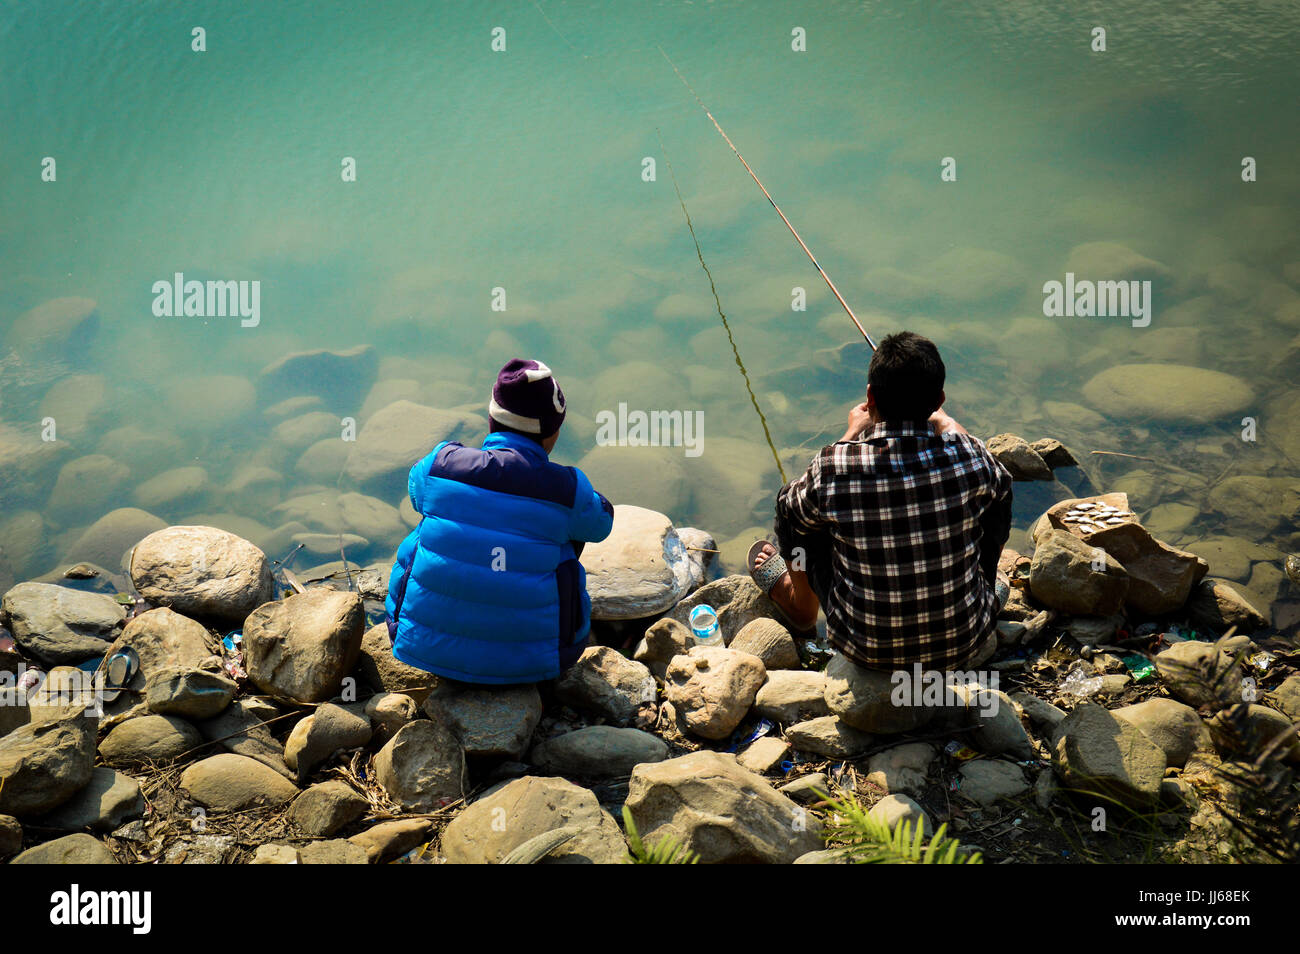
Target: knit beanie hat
(527,398)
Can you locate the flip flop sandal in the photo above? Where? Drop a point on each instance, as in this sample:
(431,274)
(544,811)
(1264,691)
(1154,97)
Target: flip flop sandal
(119,669)
(767,575)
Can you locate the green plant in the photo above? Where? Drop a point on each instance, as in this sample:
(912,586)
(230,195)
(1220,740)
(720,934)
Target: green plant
(666,851)
(862,839)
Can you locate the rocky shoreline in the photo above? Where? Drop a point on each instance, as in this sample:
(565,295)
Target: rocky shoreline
(269,722)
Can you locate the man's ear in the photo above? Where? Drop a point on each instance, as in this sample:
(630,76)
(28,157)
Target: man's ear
(942,400)
(871,397)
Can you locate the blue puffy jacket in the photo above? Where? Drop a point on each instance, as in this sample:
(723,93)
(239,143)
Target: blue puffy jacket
(488,587)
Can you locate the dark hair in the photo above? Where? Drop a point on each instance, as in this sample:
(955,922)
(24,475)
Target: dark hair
(906,377)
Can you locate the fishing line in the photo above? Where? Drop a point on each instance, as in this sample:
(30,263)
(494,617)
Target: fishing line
(725,324)
(798,238)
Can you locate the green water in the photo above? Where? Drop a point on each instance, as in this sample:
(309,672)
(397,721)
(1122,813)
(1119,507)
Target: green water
(523,170)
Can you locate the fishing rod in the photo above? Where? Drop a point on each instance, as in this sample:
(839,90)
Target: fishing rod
(726,325)
(802,244)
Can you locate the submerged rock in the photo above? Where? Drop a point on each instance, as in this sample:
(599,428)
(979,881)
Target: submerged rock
(343,376)
(399,434)
(1168,393)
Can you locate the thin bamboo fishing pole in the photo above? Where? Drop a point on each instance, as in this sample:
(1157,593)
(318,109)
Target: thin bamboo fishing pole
(726,325)
(802,244)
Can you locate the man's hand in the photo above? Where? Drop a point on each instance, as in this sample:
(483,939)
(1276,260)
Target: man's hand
(861,417)
(943,424)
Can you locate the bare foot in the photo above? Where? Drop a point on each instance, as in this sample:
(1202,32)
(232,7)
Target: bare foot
(791,592)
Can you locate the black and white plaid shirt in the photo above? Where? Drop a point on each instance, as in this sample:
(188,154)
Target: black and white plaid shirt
(906,511)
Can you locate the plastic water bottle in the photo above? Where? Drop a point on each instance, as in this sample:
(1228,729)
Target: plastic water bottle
(704,626)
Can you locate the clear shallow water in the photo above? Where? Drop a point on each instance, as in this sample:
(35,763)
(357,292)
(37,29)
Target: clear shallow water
(523,170)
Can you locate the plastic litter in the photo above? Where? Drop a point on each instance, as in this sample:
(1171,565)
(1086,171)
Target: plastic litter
(233,640)
(1262,660)
(704,626)
(960,752)
(1079,684)
(1139,666)
(763,727)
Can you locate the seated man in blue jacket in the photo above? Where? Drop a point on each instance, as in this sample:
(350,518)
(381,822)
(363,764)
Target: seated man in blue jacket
(488,587)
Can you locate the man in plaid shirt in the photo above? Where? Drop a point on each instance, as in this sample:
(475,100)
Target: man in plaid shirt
(895,529)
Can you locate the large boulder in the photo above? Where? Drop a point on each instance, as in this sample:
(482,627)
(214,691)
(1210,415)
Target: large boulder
(1218,606)
(640,569)
(189,693)
(712,688)
(792,695)
(149,740)
(1168,394)
(231,783)
(1175,728)
(1200,673)
(165,640)
(301,647)
(496,722)
(316,738)
(514,812)
(1068,575)
(43,764)
(110,799)
(241,728)
(720,810)
(380,669)
(401,433)
(1160,577)
(1019,457)
(737,600)
(606,681)
(325,808)
(598,751)
(58,625)
(1100,755)
(986,780)
(829,737)
(203,572)
(422,767)
(769,641)
(863,699)
(78,849)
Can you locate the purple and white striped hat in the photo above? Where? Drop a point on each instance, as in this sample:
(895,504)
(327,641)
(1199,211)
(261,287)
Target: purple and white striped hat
(527,398)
